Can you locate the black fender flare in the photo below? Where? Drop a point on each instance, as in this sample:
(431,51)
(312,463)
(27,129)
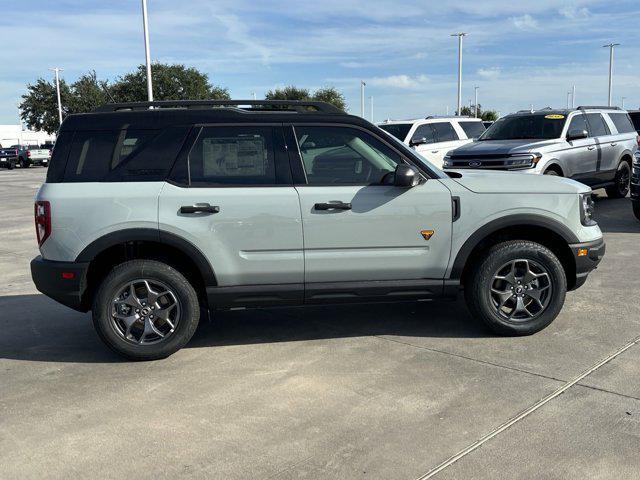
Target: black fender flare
(99,245)
(523,220)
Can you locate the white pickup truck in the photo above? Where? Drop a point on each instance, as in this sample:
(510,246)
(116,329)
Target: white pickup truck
(32,155)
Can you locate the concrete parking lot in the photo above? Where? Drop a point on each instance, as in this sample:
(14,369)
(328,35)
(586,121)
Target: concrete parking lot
(385,392)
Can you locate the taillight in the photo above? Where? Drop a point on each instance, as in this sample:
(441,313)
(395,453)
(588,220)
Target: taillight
(28,153)
(42,212)
(50,153)
(638,140)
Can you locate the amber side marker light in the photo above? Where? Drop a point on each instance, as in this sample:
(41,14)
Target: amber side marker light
(427,234)
(582,252)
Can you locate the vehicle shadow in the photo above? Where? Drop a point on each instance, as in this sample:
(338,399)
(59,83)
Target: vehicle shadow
(615,215)
(36,328)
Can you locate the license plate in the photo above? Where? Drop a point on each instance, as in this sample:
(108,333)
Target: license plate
(3,159)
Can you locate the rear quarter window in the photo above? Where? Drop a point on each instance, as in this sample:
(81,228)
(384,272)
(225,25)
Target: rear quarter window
(444,131)
(55,172)
(622,122)
(95,154)
(472,129)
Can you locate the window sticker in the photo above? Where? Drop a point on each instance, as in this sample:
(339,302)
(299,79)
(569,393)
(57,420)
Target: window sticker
(233,156)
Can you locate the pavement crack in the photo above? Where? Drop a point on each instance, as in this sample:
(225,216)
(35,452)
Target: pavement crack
(483,362)
(525,413)
(591,387)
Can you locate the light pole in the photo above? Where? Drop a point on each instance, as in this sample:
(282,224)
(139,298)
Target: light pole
(568,100)
(362,85)
(371,107)
(253,94)
(610,46)
(573,96)
(57,71)
(475,110)
(147,53)
(459,35)
(622,103)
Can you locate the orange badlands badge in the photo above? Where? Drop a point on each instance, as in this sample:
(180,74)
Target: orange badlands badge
(427,234)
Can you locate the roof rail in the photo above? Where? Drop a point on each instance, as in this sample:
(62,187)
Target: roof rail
(597,107)
(300,106)
(447,116)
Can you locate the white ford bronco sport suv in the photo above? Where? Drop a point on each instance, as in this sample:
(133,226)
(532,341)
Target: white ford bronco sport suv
(151,218)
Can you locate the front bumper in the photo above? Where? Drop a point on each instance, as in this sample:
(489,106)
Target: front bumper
(587,257)
(635,182)
(65,282)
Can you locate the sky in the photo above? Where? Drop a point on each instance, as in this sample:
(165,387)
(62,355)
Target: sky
(518,52)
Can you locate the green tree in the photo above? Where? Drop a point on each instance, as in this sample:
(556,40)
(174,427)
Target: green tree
(288,93)
(39,106)
(326,94)
(331,95)
(489,115)
(170,82)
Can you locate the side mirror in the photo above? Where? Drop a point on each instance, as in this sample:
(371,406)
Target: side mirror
(405,176)
(576,134)
(417,141)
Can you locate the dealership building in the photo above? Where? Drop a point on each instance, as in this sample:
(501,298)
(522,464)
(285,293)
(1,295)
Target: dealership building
(17,135)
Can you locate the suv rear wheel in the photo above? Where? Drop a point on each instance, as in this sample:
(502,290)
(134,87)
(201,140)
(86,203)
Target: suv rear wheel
(145,310)
(620,188)
(517,288)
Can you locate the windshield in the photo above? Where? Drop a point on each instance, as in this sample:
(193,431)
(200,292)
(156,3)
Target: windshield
(518,127)
(398,130)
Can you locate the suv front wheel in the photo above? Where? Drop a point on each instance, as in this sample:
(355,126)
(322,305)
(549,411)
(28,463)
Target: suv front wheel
(517,288)
(145,310)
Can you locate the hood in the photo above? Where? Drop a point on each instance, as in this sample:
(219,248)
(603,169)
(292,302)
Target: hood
(501,147)
(516,182)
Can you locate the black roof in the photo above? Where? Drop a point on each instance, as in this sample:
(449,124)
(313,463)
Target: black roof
(166,113)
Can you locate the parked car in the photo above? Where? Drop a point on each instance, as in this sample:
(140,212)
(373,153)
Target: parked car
(432,137)
(594,145)
(635,185)
(8,157)
(149,217)
(635,118)
(32,155)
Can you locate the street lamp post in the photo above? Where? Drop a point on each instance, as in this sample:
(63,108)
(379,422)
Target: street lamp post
(147,53)
(57,71)
(475,110)
(459,35)
(362,85)
(371,107)
(610,46)
(622,102)
(573,96)
(568,100)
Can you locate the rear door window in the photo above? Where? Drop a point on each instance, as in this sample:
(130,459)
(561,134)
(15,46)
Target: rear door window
(229,156)
(445,132)
(598,126)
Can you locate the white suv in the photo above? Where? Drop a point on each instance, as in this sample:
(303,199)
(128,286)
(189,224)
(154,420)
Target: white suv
(433,137)
(152,218)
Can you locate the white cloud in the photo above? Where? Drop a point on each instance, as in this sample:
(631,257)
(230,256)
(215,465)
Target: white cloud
(525,22)
(399,81)
(491,72)
(573,12)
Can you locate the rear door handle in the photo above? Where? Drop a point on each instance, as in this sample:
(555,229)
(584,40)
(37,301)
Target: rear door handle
(591,147)
(332,206)
(199,208)
(613,144)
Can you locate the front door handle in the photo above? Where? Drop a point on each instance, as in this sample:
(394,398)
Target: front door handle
(332,206)
(199,208)
(591,147)
(613,144)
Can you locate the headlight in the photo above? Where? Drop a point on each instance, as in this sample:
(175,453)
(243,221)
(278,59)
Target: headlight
(528,160)
(636,159)
(586,210)
(446,161)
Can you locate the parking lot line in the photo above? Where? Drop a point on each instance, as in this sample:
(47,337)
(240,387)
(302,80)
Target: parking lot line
(525,413)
